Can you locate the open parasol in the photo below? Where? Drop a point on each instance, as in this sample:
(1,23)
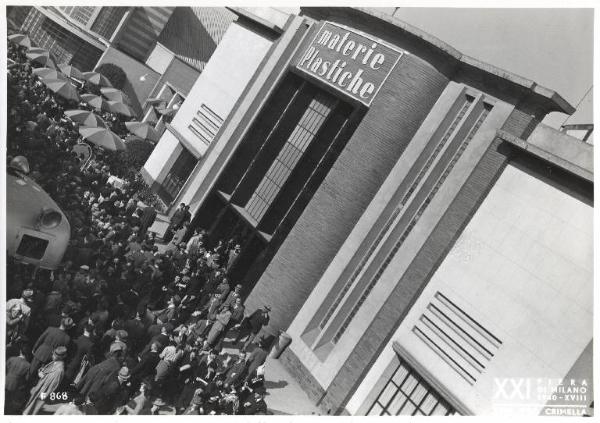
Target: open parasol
(62,88)
(114,94)
(97,79)
(120,108)
(143,130)
(47,73)
(102,137)
(71,71)
(95,101)
(86,118)
(20,40)
(41,56)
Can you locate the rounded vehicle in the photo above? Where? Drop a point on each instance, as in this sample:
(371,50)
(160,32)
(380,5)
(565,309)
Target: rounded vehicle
(37,231)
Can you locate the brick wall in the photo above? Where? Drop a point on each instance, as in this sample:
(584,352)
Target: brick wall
(423,266)
(395,115)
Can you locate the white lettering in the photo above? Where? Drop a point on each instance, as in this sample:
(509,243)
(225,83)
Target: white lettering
(324,39)
(344,76)
(367,90)
(315,65)
(348,47)
(377,60)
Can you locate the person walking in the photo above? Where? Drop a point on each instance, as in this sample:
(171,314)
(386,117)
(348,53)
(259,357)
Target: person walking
(47,342)
(50,377)
(251,326)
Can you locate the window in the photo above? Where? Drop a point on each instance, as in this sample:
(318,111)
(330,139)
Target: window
(32,247)
(107,21)
(80,14)
(177,176)
(291,153)
(407,394)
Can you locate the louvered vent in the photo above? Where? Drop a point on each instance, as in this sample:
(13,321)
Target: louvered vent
(456,337)
(206,124)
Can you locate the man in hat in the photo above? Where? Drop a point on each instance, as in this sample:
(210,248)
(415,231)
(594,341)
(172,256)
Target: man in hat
(18,313)
(114,392)
(50,376)
(252,325)
(47,342)
(233,295)
(233,257)
(92,381)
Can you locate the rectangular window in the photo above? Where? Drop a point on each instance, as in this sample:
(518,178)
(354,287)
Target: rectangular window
(107,21)
(407,394)
(177,176)
(32,247)
(291,153)
(81,14)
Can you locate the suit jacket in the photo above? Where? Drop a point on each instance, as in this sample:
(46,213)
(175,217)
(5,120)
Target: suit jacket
(17,369)
(146,366)
(93,380)
(83,346)
(48,341)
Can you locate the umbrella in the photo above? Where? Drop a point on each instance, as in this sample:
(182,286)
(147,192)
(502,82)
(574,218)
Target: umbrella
(97,79)
(70,71)
(47,73)
(120,108)
(95,101)
(86,118)
(102,137)
(62,88)
(115,95)
(20,40)
(41,56)
(143,130)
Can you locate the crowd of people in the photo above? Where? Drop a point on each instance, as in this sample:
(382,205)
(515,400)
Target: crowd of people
(126,324)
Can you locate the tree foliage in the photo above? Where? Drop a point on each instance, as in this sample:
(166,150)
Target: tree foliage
(114,73)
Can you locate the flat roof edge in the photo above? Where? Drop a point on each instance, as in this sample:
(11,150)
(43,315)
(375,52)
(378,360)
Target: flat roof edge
(557,102)
(561,162)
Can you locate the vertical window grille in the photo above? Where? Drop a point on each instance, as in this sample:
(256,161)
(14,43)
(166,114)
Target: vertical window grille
(107,21)
(459,117)
(81,14)
(178,175)
(482,116)
(289,156)
(407,394)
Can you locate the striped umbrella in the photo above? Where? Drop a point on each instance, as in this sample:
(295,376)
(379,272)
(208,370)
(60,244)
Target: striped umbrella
(102,137)
(97,79)
(47,73)
(96,102)
(86,118)
(70,71)
(120,108)
(20,40)
(62,88)
(114,94)
(41,56)
(143,130)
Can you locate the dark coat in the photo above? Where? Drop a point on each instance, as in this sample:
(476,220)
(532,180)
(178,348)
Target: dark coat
(48,341)
(257,358)
(17,369)
(83,346)
(93,380)
(146,366)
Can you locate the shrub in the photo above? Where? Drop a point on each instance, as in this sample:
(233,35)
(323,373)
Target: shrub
(114,74)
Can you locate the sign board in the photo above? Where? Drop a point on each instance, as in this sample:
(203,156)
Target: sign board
(354,63)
